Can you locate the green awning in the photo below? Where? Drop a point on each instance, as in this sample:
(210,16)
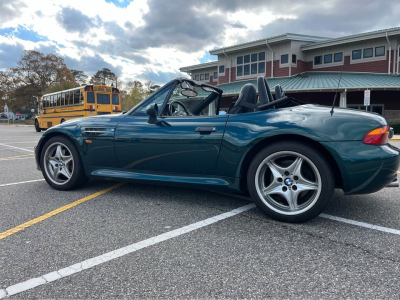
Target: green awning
(322,81)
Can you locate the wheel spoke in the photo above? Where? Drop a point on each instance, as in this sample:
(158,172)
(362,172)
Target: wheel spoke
(290,198)
(65,172)
(293,200)
(295,167)
(56,173)
(273,188)
(67,159)
(306,187)
(276,170)
(58,153)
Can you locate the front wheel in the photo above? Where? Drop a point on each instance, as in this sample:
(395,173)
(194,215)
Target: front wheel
(61,164)
(290,181)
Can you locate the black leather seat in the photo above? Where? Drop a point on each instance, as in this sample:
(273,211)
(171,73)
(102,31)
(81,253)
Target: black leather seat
(264,92)
(246,101)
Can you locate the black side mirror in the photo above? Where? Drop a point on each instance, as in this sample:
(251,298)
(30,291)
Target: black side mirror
(152,111)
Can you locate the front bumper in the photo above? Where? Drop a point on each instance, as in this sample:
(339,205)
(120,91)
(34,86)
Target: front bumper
(365,168)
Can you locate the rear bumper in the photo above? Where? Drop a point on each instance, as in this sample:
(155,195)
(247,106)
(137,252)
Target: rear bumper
(364,168)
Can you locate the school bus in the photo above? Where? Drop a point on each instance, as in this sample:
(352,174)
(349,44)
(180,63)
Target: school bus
(84,101)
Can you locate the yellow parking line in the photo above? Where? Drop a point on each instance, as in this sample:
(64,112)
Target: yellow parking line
(8,157)
(55,212)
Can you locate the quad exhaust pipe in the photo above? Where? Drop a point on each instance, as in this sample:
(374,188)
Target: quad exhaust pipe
(394,183)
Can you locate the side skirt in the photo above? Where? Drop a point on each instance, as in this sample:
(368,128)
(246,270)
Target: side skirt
(201,181)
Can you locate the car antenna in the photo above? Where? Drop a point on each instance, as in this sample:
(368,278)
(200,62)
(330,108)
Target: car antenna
(334,99)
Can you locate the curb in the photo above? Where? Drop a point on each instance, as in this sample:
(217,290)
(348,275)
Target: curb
(395,140)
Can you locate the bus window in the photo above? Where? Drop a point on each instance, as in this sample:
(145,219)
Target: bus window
(76,97)
(103,98)
(71,97)
(90,97)
(57,100)
(82,98)
(115,99)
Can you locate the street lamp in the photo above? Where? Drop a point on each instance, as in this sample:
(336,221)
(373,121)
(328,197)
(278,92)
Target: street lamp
(37,100)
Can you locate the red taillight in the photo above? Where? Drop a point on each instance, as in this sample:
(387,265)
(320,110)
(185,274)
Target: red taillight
(378,136)
(43,111)
(90,106)
(116,108)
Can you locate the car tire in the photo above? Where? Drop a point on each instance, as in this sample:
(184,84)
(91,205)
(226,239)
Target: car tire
(37,128)
(290,181)
(61,164)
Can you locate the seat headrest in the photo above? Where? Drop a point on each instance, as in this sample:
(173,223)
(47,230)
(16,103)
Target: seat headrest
(247,94)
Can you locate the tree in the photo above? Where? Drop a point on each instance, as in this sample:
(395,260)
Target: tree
(80,76)
(34,75)
(150,87)
(38,71)
(103,76)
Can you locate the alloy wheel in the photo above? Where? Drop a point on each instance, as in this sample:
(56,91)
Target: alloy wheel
(58,163)
(288,182)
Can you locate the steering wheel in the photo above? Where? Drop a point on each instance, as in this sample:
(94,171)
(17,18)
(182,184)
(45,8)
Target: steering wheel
(180,113)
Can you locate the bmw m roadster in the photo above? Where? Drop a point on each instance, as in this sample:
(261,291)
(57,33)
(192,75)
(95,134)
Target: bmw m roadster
(287,155)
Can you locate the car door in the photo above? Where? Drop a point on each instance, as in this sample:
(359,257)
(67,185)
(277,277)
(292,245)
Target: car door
(174,144)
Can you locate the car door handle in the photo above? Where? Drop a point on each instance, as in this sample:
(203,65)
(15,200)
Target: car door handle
(206,129)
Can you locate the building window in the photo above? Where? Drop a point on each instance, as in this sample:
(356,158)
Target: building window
(254,68)
(356,54)
(327,58)
(294,58)
(246,70)
(239,71)
(368,52)
(338,57)
(222,69)
(247,64)
(196,77)
(284,59)
(261,67)
(215,75)
(201,77)
(207,76)
(380,51)
(318,60)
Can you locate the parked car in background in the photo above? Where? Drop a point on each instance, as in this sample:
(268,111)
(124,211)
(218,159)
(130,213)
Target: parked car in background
(288,156)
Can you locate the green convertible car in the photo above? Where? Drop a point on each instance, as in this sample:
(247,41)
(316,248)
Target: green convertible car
(288,156)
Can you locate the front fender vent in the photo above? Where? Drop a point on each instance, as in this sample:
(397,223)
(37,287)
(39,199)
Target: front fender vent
(97,131)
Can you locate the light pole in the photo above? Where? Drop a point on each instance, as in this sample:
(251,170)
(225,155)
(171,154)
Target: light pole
(37,100)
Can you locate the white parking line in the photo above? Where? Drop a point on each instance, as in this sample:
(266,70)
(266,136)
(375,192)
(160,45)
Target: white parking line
(16,147)
(92,262)
(361,224)
(14,183)
(15,158)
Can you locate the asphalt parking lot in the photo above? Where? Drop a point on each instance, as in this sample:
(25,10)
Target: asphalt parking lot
(151,241)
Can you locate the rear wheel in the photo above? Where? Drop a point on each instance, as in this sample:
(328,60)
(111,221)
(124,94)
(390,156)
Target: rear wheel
(290,181)
(61,164)
(37,128)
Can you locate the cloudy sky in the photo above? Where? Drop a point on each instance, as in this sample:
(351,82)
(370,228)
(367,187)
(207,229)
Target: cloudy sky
(152,39)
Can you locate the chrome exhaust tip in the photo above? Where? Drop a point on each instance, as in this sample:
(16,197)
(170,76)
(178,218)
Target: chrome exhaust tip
(394,183)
